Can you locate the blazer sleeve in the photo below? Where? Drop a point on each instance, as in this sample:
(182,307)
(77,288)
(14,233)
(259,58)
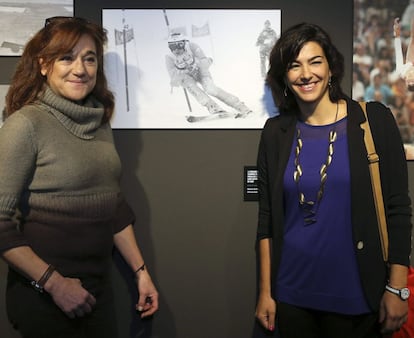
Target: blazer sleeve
(264,219)
(394,182)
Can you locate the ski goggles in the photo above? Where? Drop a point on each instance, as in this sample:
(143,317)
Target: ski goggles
(176,45)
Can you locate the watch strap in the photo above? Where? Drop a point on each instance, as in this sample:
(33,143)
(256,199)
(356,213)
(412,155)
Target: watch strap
(402,293)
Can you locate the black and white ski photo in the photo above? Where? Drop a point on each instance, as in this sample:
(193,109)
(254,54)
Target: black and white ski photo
(186,68)
(21,19)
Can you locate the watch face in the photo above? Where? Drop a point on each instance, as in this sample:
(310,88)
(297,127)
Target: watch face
(405,293)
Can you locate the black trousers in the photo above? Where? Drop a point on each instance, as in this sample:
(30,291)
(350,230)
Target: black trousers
(35,315)
(296,322)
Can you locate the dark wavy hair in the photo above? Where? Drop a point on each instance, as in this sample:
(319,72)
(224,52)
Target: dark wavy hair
(58,37)
(286,50)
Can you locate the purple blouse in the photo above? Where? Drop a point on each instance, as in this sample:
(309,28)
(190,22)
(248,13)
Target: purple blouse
(318,268)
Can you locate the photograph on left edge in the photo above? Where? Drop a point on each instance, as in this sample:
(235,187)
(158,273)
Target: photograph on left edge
(21,19)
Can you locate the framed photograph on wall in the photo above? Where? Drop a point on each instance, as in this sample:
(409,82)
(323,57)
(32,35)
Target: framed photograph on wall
(20,19)
(187,68)
(383,60)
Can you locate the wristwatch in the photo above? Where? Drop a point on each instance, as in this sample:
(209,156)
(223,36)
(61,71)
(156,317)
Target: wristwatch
(403,293)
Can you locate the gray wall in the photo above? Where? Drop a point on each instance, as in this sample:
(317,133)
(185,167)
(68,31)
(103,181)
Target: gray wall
(186,187)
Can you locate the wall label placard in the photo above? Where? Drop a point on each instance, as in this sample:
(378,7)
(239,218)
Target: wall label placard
(251,192)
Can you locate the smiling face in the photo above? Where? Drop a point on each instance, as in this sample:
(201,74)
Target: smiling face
(73,75)
(308,75)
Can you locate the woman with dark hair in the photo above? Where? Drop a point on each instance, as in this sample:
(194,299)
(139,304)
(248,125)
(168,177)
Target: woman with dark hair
(61,209)
(322,272)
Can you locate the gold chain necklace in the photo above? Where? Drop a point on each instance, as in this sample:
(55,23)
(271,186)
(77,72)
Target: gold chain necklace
(309,207)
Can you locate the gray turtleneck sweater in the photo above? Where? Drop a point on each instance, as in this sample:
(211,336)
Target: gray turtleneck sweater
(59,168)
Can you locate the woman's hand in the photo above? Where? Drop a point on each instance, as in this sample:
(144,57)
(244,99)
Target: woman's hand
(393,313)
(266,312)
(69,295)
(148,295)
(397,27)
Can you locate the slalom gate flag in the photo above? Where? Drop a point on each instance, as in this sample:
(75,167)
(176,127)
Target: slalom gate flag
(200,31)
(119,36)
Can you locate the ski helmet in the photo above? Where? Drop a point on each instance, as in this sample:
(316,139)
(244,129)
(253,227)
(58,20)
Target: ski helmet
(177,41)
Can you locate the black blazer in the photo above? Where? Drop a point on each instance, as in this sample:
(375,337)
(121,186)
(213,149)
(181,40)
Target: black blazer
(274,150)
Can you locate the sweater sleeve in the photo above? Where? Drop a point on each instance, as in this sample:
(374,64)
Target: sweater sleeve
(18,159)
(124,215)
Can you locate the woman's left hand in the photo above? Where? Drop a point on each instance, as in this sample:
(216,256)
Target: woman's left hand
(148,295)
(393,313)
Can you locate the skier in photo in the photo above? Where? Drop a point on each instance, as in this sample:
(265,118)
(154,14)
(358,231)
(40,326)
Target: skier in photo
(266,40)
(188,67)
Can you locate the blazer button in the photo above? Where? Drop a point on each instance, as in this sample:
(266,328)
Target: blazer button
(360,245)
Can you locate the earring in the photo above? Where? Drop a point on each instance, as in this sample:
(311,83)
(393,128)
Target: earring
(285,91)
(330,82)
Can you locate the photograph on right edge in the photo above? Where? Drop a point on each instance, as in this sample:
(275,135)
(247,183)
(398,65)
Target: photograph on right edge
(383,60)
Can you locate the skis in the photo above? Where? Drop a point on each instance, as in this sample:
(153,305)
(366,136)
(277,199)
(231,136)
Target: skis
(216,116)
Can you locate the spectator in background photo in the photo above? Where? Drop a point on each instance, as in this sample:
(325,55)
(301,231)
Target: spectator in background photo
(358,88)
(265,41)
(378,90)
(363,61)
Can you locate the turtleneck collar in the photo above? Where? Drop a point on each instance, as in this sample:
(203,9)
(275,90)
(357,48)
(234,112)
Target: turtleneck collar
(81,121)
